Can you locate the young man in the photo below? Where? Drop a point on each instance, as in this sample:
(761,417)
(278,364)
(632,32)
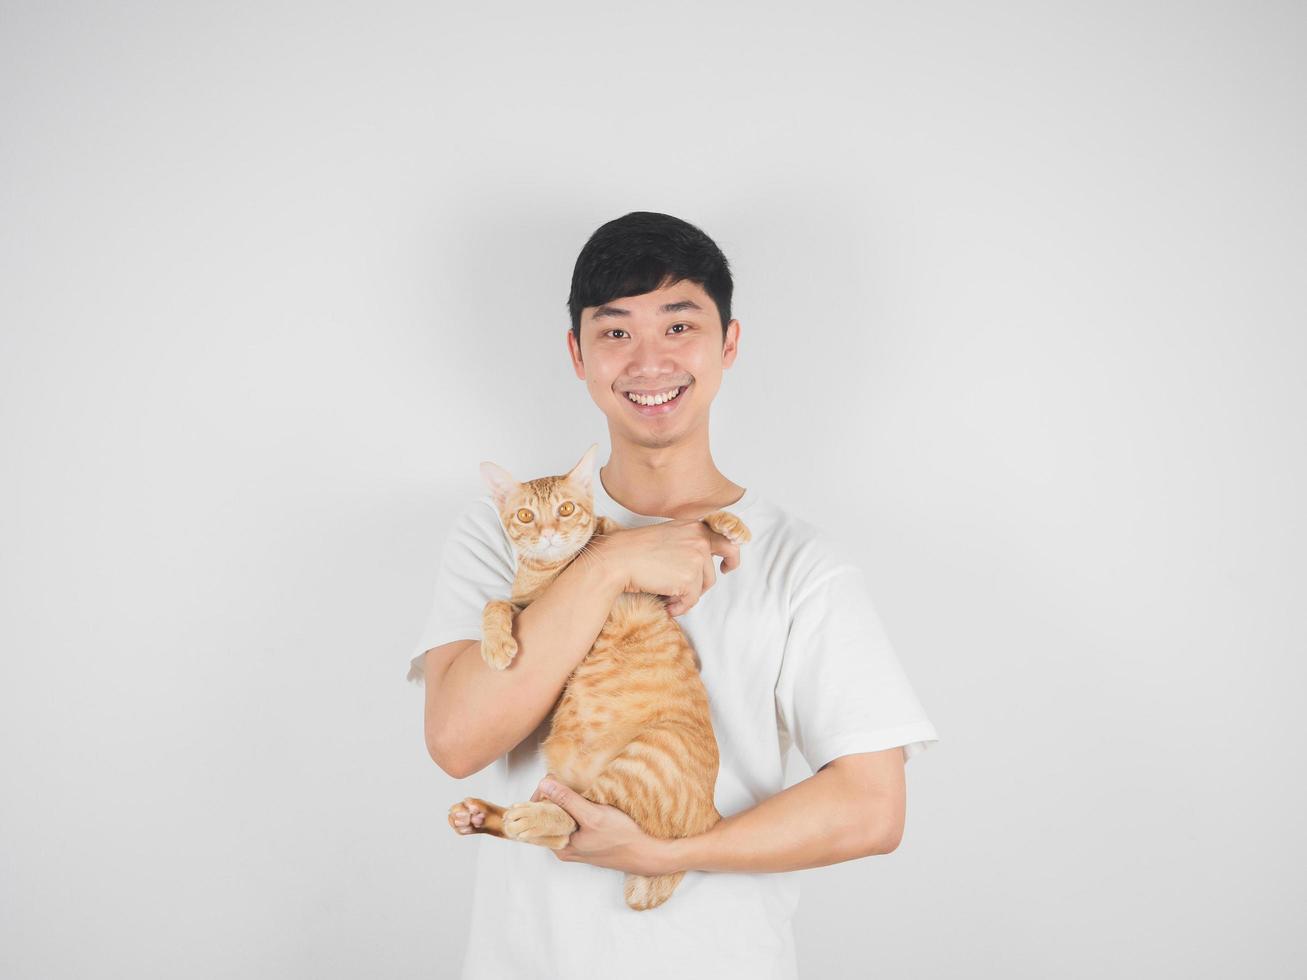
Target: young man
(792,652)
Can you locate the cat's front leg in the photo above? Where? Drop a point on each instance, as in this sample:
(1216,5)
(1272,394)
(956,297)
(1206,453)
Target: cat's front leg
(729,526)
(606,525)
(498,648)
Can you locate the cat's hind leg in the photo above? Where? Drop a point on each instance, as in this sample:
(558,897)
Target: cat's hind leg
(663,780)
(542,822)
(473,816)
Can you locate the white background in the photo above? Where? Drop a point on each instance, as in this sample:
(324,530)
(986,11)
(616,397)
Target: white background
(1022,306)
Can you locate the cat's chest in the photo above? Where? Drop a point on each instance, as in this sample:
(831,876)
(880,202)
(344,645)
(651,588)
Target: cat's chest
(738,632)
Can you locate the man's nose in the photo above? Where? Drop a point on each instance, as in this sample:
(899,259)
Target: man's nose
(651,359)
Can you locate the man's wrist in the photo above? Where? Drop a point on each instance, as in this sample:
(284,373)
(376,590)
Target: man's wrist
(608,559)
(673,855)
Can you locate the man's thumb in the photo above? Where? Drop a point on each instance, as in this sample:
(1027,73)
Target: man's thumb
(574,803)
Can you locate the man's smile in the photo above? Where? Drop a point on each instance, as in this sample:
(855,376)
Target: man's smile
(661,402)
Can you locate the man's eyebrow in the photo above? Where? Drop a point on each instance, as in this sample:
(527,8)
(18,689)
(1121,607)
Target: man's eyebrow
(677,307)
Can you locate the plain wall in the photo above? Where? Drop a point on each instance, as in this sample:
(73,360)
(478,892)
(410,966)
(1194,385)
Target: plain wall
(1021,297)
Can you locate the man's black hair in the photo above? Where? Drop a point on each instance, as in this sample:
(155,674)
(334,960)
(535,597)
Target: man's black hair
(643,251)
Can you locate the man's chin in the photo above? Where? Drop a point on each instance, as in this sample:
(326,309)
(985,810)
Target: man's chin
(649,432)
(654,438)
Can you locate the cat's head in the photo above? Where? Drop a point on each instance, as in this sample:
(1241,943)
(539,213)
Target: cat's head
(549,518)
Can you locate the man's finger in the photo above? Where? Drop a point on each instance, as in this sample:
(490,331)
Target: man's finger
(724,546)
(576,805)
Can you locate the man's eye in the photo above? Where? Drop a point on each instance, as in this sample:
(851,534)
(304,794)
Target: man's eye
(616,330)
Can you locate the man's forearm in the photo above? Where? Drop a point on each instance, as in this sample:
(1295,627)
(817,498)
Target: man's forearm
(825,819)
(485,712)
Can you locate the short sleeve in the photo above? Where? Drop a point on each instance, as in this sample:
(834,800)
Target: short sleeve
(477,564)
(841,688)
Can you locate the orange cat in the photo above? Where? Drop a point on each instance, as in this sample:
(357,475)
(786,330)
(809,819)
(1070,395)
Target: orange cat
(632,728)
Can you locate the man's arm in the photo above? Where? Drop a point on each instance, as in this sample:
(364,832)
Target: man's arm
(475,714)
(853,807)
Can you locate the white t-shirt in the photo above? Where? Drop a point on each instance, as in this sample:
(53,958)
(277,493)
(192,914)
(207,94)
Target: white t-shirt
(792,652)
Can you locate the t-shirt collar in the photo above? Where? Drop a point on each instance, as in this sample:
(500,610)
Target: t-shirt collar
(607,506)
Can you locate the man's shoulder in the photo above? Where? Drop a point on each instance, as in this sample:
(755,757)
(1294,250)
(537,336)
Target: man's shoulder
(477,526)
(477,511)
(803,551)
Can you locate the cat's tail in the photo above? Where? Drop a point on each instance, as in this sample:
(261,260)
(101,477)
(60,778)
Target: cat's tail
(648,892)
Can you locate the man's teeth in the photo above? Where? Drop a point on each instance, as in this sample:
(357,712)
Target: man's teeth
(656,400)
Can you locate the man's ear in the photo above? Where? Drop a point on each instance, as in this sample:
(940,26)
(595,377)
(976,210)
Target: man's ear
(574,352)
(731,343)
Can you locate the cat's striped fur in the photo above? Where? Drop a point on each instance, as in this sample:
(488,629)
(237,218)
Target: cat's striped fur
(632,728)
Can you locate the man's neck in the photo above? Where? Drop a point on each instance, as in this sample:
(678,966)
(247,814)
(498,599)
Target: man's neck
(672,482)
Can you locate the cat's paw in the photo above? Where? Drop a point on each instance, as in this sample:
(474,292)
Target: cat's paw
(498,652)
(543,823)
(729,526)
(606,525)
(498,648)
(470,816)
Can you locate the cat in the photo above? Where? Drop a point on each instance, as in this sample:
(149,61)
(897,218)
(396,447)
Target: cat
(632,728)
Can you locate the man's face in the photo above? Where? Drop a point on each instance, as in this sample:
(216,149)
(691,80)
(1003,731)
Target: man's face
(651,345)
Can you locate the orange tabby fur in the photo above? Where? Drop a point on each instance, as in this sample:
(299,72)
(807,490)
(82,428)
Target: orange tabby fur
(632,728)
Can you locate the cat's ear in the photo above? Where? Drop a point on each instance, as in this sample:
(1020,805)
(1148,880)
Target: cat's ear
(500,481)
(582,474)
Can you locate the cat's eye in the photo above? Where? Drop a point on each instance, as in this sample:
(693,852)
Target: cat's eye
(525,516)
(566,509)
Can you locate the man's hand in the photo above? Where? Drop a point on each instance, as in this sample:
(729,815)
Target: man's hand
(605,836)
(672,559)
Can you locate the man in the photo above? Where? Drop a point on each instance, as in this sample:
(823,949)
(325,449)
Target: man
(792,652)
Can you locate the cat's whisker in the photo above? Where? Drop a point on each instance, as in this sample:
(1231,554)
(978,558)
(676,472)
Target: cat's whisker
(587,552)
